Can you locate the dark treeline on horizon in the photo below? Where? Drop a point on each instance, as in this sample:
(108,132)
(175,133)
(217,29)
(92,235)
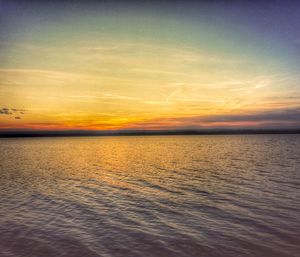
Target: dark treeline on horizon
(71,133)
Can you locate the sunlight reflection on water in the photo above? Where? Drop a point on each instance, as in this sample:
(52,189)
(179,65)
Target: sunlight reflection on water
(150,196)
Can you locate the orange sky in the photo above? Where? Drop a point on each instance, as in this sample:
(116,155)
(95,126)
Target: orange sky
(115,67)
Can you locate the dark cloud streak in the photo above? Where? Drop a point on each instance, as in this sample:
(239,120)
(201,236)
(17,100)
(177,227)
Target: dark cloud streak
(278,115)
(12,112)
(279,119)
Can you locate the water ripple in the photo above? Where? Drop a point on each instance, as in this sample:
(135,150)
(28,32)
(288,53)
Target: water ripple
(132,196)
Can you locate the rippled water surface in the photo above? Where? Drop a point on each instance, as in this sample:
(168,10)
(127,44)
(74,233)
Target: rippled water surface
(150,196)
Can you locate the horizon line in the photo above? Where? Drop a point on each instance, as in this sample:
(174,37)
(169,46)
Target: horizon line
(4,133)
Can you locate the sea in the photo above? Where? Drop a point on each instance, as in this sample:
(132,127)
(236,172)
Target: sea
(142,196)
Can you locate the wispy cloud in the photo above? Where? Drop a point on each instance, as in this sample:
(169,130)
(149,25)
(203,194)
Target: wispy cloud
(83,96)
(106,96)
(52,75)
(119,97)
(164,72)
(156,102)
(198,100)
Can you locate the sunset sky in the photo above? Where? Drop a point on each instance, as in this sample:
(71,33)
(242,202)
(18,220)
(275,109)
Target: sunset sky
(160,65)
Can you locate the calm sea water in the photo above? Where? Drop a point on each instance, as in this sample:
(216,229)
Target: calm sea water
(150,196)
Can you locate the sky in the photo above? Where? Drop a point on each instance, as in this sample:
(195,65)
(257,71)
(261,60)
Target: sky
(148,65)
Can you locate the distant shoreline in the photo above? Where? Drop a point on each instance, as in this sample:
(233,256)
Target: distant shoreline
(87,133)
